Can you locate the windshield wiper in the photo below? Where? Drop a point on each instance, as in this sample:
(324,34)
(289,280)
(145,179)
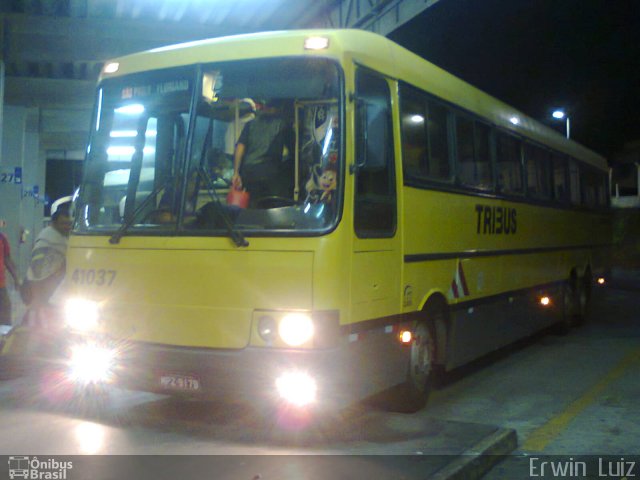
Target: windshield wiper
(236,236)
(115,238)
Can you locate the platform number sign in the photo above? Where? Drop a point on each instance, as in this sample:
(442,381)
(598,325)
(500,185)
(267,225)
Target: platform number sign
(11,175)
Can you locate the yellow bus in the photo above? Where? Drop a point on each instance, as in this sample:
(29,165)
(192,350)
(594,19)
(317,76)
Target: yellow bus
(418,223)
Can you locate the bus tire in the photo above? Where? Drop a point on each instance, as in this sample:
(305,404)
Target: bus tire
(414,392)
(582,294)
(568,307)
(575,299)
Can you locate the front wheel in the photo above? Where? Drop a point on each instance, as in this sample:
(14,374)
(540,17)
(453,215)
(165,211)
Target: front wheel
(412,395)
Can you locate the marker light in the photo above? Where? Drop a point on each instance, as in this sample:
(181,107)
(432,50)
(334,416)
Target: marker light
(81,314)
(297,388)
(405,336)
(91,363)
(111,67)
(295,329)
(601,281)
(316,43)
(515,120)
(545,301)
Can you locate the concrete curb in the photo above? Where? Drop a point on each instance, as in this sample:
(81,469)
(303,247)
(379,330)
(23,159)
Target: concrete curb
(481,457)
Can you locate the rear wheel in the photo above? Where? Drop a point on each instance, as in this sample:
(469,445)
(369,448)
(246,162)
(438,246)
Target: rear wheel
(568,308)
(582,294)
(575,300)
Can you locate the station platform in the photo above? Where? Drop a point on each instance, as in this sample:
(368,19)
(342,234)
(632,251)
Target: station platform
(237,440)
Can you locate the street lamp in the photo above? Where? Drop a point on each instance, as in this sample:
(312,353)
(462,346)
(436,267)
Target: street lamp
(559,115)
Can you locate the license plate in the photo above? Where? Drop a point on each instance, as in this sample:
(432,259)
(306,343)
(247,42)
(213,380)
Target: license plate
(179,382)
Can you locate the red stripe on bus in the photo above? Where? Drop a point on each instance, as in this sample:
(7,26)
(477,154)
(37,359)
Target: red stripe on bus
(463,280)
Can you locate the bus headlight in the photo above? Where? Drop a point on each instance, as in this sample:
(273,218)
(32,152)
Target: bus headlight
(297,388)
(296,329)
(91,363)
(81,314)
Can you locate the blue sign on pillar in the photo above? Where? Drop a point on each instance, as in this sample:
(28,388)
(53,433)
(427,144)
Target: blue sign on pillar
(17,175)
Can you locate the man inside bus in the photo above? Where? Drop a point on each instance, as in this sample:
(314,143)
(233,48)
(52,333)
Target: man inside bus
(260,162)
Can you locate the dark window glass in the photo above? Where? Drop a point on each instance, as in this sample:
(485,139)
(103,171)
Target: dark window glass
(574,182)
(603,190)
(591,186)
(425,146)
(474,160)
(465,150)
(375,200)
(560,186)
(509,164)
(413,116)
(538,162)
(439,165)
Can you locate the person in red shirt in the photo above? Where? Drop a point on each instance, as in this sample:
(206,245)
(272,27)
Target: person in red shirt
(6,262)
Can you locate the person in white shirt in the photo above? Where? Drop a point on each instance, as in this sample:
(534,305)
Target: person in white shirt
(48,257)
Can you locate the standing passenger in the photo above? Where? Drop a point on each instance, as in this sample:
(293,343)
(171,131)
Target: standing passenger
(48,257)
(259,161)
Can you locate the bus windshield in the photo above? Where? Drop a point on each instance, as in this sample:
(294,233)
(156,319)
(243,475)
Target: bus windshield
(164,145)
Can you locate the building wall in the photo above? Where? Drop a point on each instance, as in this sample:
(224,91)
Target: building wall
(21,203)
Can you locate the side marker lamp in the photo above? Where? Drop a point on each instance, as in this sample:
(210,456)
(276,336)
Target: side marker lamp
(545,301)
(601,281)
(316,43)
(405,337)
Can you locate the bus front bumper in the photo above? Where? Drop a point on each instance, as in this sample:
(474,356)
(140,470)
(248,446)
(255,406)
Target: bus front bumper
(327,378)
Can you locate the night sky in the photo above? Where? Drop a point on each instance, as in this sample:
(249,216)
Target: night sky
(541,54)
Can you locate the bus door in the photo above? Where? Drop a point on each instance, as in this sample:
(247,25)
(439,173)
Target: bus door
(375,281)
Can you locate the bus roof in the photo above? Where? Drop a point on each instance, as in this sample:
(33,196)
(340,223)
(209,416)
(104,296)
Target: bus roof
(368,49)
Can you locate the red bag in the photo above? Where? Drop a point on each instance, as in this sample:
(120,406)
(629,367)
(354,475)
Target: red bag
(239,198)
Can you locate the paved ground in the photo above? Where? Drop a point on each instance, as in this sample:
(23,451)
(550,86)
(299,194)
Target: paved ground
(563,395)
(568,398)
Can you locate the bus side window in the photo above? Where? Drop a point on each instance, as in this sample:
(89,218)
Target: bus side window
(375,200)
(560,187)
(574,182)
(414,134)
(473,153)
(437,130)
(509,164)
(425,144)
(537,161)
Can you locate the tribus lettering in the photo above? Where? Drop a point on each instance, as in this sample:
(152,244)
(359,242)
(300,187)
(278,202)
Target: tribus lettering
(495,220)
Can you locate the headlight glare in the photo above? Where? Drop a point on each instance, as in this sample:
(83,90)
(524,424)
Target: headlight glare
(91,364)
(296,329)
(81,314)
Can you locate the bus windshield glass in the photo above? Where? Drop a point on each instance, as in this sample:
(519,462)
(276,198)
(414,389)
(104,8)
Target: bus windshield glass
(252,146)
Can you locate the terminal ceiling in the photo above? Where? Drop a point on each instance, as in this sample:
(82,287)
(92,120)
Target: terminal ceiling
(53,50)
